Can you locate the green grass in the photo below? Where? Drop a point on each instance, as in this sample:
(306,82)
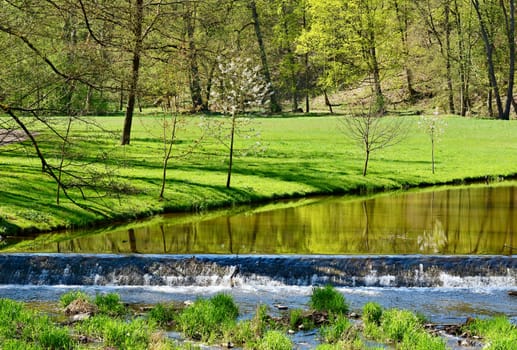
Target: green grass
(208,319)
(328,299)
(297,156)
(499,333)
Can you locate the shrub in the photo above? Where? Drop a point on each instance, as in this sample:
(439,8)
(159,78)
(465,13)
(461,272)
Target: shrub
(275,340)
(207,319)
(328,299)
(372,313)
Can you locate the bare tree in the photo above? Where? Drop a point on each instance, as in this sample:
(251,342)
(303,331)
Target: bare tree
(373,131)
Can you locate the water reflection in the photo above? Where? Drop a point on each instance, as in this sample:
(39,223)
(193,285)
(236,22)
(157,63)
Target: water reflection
(470,220)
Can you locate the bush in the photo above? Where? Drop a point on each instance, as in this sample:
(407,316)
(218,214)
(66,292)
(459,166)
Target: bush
(372,313)
(275,340)
(207,319)
(328,299)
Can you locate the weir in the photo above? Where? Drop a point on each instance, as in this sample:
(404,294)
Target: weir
(226,270)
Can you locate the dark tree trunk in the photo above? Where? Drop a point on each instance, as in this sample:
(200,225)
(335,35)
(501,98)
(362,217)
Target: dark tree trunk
(448,58)
(275,106)
(194,78)
(133,86)
(489,49)
(510,32)
(230,160)
(464,58)
(402,20)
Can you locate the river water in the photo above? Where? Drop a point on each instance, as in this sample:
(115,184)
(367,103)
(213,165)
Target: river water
(447,253)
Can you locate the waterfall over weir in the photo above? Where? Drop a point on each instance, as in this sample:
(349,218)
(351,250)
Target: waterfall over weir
(225,270)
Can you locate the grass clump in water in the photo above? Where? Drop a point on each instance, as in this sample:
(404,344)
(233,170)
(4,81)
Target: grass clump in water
(340,328)
(499,332)
(208,319)
(274,340)
(136,334)
(398,326)
(328,299)
(110,304)
(163,315)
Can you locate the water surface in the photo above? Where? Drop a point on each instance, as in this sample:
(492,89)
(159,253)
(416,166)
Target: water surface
(468,220)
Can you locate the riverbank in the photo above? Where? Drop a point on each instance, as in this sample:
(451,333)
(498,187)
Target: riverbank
(276,157)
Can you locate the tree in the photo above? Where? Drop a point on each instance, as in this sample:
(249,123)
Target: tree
(344,39)
(485,12)
(274,104)
(238,87)
(434,126)
(127,27)
(373,131)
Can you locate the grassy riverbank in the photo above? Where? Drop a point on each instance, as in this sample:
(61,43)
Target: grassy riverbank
(282,157)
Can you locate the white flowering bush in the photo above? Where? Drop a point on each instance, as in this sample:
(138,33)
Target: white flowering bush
(238,87)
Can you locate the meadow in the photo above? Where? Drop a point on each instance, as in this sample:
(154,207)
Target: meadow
(276,157)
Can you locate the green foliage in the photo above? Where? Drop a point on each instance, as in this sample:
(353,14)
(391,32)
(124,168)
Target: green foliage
(163,315)
(207,319)
(372,313)
(274,340)
(110,304)
(21,327)
(328,299)
(340,328)
(396,323)
(67,298)
(420,340)
(135,334)
(500,333)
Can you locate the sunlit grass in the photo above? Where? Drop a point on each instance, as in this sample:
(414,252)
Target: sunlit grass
(297,156)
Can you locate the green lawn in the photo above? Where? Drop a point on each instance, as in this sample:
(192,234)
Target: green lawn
(296,156)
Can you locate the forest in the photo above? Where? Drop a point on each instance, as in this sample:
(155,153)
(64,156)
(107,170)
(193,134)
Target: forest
(94,57)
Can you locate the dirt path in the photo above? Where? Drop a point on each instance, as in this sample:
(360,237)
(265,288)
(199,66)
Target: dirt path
(11,136)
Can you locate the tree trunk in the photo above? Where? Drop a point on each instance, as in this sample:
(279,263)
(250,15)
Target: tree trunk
(230,161)
(464,58)
(366,159)
(327,101)
(274,105)
(510,32)
(448,58)
(375,70)
(489,58)
(402,22)
(194,79)
(133,86)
